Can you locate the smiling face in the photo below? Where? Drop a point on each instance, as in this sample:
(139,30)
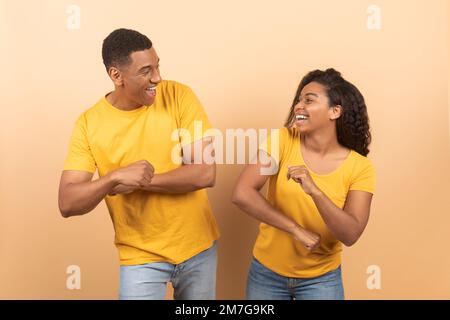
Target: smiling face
(136,82)
(313,111)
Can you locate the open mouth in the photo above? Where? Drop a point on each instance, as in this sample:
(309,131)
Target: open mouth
(300,117)
(151,91)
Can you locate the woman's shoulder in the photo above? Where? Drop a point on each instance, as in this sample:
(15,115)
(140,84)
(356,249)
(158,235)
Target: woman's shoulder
(360,163)
(288,133)
(359,157)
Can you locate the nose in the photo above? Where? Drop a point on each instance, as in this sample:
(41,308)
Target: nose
(299,106)
(156,77)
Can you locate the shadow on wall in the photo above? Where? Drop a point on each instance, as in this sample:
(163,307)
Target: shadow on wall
(238,234)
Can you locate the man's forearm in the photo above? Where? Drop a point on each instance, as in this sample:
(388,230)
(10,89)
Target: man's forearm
(184,179)
(81,198)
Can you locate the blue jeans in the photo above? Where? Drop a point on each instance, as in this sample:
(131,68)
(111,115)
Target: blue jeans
(193,279)
(264,284)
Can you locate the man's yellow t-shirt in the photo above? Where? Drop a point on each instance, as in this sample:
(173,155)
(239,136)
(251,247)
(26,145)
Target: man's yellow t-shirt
(149,227)
(278,250)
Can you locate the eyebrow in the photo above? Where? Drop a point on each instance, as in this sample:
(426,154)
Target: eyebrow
(147,66)
(312,94)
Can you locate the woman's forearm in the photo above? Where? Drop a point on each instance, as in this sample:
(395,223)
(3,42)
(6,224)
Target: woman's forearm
(252,202)
(344,226)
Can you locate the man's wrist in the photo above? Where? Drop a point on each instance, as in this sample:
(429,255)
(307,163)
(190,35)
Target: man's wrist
(112,179)
(155,182)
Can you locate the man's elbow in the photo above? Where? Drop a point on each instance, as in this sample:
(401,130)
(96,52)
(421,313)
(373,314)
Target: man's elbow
(63,203)
(65,209)
(65,212)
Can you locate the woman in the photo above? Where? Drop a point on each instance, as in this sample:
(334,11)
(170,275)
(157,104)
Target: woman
(318,197)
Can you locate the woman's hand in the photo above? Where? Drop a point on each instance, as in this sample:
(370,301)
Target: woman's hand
(300,174)
(309,239)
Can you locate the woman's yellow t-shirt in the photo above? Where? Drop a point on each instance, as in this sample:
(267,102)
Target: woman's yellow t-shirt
(278,250)
(149,227)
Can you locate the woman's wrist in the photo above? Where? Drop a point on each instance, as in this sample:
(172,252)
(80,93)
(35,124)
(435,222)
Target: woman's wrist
(316,193)
(294,228)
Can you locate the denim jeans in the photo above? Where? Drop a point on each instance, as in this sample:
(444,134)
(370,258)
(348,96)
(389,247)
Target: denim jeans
(264,284)
(192,279)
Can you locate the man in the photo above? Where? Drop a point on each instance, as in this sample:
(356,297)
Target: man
(164,227)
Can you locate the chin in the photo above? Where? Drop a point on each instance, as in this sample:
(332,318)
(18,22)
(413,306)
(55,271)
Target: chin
(148,102)
(302,129)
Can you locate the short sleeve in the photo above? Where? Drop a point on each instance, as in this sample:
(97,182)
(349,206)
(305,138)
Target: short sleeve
(79,156)
(364,177)
(273,144)
(194,122)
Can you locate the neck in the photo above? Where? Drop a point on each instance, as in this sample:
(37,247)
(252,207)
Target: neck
(119,100)
(322,142)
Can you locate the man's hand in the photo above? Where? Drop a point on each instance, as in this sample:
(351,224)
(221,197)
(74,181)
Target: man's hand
(136,175)
(122,189)
(309,239)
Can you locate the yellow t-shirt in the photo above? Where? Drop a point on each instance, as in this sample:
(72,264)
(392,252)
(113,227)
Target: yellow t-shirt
(149,227)
(278,250)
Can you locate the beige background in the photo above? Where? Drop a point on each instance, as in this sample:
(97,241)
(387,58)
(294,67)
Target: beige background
(244,60)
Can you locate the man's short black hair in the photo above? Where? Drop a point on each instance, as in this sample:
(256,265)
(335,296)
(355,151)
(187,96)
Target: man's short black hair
(119,44)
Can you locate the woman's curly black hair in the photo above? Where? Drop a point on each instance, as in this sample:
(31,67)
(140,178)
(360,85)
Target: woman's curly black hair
(352,126)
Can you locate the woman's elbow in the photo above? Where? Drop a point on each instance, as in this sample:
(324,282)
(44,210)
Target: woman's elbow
(351,239)
(349,242)
(207,178)
(238,196)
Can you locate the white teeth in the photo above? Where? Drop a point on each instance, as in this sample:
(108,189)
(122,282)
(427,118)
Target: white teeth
(151,88)
(301,117)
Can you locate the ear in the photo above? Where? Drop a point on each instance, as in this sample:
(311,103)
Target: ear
(116,76)
(335,112)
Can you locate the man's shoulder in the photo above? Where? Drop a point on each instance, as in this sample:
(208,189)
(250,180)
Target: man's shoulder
(173,86)
(93,112)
